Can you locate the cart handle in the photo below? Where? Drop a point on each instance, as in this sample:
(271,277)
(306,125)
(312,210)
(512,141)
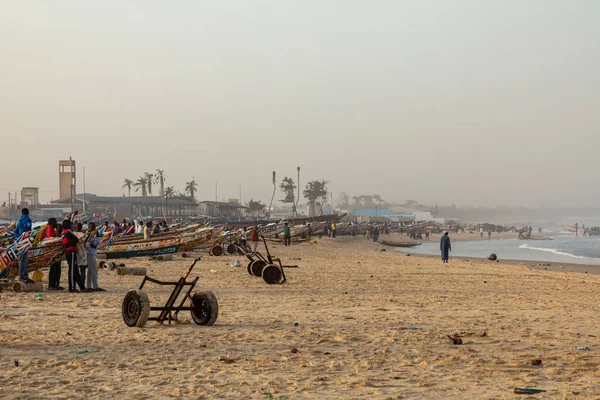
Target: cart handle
(189,271)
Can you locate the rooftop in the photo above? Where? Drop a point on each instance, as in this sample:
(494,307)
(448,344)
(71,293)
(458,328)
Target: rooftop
(92,198)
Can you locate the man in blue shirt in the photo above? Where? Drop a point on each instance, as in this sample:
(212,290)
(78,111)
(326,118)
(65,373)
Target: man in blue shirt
(24,225)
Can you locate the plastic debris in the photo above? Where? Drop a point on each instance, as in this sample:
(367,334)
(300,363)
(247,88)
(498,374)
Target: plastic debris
(82,352)
(584,348)
(528,391)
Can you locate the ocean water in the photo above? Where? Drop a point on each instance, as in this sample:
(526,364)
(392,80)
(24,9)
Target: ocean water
(563,249)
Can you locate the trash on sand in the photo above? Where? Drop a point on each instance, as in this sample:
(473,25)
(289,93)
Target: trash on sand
(294,350)
(455,340)
(484,334)
(82,352)
(443,297)
(39,295)
(235,263)
(227,360)
(213,270)
(585,348)
(528,391)
(536,362)
(16,363)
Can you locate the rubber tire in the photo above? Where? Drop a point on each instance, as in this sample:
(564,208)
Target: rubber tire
(135,308)
(249,268)
(217,251)
(257,268)
(205,308)
(271,274)
(232,249)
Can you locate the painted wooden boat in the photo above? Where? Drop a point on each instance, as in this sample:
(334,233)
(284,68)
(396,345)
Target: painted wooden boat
(399,244)
(154,246)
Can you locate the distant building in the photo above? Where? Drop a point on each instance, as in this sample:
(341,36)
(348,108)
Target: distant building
(67,179)
(134,206)
(223,209)
(30,197)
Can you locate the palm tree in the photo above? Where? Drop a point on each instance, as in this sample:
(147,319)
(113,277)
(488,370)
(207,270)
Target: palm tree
(141,183)
(149,180)
(288,187)
(273,196)
(316,194)
(160,178)
(128,183)
(168,192)
(190,187)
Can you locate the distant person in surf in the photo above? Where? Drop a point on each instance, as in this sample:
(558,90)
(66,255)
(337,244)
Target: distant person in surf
(445,247)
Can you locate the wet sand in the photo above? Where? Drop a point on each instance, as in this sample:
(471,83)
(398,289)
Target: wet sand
(370,325)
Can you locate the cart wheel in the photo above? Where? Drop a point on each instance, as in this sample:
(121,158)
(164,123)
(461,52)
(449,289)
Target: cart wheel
(205,308)
(135,308)
(271,274)
(232,249)
(217,251)
(249,268)
(256,268)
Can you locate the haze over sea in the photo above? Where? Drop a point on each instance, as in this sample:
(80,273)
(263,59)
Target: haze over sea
(563,249)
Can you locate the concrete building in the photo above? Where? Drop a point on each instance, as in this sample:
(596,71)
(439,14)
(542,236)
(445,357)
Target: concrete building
(67,181)
(135,206)
(30,197)
(222,209)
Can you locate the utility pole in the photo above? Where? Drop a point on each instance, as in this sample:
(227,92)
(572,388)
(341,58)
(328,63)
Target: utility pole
(216,190)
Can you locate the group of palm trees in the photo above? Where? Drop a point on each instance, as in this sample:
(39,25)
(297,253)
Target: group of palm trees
(144,184)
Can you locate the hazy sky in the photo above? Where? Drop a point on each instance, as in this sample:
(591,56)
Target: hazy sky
(465,102)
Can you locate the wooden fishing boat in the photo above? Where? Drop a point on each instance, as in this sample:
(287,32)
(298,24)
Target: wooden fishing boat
(399,244)
(161,235)
(157,246)
(293,240)
(569,228)
(535,237)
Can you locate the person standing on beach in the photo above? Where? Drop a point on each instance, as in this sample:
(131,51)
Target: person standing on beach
(147,229)
(333,229)
(55,268)
(445,247)
(490,234)
(70,242)
(254,239)
(481,232)
(287,236)
(24,225)
(91,248)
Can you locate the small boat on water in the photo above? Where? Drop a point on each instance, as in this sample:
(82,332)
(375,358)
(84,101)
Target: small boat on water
(399,244)
(535,237)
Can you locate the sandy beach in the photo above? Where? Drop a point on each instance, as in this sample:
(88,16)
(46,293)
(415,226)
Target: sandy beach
(351,322)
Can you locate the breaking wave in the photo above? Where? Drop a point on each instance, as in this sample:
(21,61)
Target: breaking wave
(555,251)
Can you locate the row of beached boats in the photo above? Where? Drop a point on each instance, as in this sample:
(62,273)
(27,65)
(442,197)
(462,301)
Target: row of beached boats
(42,251)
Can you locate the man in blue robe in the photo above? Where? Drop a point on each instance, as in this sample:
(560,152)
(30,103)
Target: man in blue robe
(445,247)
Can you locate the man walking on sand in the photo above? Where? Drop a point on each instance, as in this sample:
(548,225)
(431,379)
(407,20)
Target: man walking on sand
(445,247)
